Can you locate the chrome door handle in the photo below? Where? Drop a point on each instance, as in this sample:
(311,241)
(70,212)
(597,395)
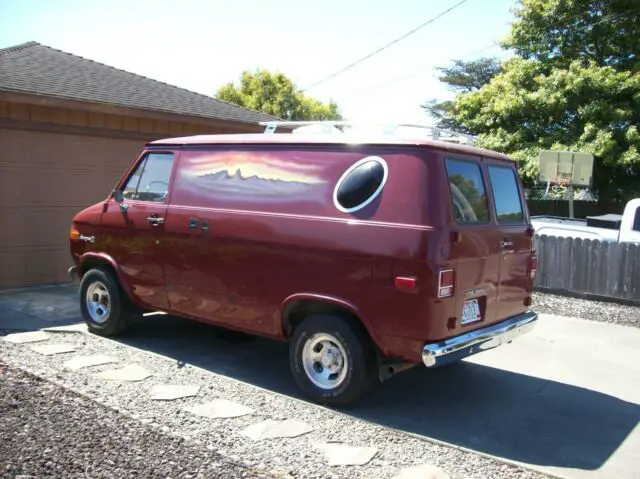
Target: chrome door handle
(506,244)
(155,220)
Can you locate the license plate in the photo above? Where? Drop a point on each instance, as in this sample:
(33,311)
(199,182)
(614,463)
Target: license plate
(470,312)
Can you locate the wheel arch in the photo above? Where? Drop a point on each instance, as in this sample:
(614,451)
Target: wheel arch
(300,305)
(101,260)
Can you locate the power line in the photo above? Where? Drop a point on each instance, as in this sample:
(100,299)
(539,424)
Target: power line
(402,37)
(418,70)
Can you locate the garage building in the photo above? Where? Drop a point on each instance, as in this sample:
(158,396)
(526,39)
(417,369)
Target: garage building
(69,127)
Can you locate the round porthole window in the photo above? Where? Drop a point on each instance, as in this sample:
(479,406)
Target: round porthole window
(360,184)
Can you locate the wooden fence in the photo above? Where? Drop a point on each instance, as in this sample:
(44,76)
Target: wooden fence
(588,268)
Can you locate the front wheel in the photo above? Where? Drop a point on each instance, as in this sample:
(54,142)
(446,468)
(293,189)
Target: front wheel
(104,307)
(332,361)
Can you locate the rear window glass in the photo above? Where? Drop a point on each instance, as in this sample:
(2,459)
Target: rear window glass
(506,194)
(468,194)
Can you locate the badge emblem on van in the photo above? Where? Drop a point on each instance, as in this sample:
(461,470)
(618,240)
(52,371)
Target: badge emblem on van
(475,292)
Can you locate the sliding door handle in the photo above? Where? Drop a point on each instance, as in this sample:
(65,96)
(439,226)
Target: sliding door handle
(155,220)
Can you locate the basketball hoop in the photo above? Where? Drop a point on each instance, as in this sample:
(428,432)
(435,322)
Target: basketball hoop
(560,188)
(557,188)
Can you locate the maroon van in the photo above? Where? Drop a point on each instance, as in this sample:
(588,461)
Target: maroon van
(369,252)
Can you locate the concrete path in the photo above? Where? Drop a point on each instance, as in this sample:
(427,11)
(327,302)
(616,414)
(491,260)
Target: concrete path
(564,400)
(39,307)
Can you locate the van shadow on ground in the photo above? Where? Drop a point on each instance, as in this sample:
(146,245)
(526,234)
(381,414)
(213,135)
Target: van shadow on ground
(506,414)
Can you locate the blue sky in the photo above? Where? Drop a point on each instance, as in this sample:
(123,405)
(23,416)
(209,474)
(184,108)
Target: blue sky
(200,45)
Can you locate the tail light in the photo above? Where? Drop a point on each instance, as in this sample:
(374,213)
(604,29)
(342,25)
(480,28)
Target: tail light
(446,283)
(533,268)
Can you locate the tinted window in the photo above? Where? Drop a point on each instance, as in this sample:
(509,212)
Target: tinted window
(636,220)
(150,179)
(468,195)
(506,194)
(361,184)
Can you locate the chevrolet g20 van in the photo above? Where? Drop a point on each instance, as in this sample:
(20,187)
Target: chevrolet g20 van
(369,253)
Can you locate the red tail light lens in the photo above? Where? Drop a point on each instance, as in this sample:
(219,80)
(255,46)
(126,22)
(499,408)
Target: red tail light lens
(446,283)
(534,266)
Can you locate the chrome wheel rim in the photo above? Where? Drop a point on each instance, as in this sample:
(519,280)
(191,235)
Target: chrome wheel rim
(98,302)
(325,361)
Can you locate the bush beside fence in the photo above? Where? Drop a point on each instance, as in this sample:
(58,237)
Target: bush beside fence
(588,268)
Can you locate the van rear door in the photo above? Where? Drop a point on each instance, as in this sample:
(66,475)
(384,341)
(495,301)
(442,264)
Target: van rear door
(515,238)
(473,263)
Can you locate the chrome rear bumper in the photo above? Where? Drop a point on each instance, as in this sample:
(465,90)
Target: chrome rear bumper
(458,347)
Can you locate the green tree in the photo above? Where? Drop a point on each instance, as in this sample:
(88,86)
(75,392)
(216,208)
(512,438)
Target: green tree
(574,84)
(468,76)
(580,108)
(275,94)
(558,32)
(460,77)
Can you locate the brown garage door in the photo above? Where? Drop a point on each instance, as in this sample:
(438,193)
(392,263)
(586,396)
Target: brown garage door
(45,178)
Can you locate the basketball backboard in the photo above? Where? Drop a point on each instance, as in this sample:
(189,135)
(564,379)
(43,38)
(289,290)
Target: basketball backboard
(575,168)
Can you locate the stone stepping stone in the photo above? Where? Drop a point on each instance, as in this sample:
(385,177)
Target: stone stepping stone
(270,429)
(51,349)
(339,454)
(70,328)
(422,471)
(170,392)
(128,373)
(80,362)
(28,337)
(219,408)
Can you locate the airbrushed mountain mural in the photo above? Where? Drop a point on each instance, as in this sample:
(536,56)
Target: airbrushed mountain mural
(246,175)
(253,185)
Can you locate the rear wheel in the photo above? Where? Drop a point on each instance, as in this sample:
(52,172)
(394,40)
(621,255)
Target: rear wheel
(104,307)
(333,361)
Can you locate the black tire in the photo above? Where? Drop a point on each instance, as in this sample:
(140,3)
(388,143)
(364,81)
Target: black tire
(361,370)
(120,311)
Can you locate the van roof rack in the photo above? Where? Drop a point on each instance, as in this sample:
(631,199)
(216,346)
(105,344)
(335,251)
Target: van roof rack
(332,127)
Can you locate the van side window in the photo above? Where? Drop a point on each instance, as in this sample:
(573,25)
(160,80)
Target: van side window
(360,184)
(150,180)
(506,194)
(468,194)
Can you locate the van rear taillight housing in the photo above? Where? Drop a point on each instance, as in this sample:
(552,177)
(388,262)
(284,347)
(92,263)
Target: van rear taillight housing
(446,283)
(533,269)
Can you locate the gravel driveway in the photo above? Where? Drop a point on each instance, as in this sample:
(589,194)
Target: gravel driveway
(602,311)
(218,446)
(306,456)
(48,431)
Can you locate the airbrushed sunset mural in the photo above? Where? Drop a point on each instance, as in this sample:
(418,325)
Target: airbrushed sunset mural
(249,175)
(248,165)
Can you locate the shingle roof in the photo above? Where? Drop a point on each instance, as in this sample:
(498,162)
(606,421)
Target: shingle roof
(39,69)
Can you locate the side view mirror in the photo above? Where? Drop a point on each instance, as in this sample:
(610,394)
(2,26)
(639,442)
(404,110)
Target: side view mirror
(118,197)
